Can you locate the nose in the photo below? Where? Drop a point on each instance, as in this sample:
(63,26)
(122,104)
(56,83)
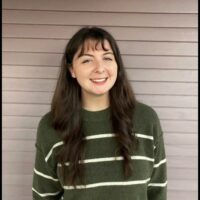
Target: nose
(99,67)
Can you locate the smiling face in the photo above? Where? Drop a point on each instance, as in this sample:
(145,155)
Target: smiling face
(95,69)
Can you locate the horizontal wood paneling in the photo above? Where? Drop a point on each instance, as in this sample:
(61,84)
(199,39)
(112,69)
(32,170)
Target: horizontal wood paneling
(128,48)
(179,126)
(167,6)
(19,97)
(169,101)
(38,110)
(19,134)
(186,185)
(165,88)
(99,19)
(25,168)
(130,61)
(48,85)
(27,97)
(25,192)
(133,74)
(31,122)
(119,33)
(188,195)
(19,157)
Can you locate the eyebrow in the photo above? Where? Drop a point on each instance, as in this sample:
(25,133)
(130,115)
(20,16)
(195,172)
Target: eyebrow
(87,54)
(108,53)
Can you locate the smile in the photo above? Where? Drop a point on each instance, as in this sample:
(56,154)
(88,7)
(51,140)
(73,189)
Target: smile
(100,80)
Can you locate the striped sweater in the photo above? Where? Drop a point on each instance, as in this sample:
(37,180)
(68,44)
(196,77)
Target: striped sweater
(103,163)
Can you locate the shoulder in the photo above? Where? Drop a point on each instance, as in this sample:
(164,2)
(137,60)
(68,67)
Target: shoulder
(146,119)
(46,134)
(45,121)
(145,112)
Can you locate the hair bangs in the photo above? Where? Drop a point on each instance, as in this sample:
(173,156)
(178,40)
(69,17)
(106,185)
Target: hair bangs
(93,44)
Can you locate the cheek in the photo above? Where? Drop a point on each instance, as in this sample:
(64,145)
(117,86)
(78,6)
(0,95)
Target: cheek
(80,73)
(113,71)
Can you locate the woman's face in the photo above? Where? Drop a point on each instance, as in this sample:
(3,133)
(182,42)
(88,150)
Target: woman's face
(96,69)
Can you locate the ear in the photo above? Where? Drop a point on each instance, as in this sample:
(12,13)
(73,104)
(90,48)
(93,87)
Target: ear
(72,72)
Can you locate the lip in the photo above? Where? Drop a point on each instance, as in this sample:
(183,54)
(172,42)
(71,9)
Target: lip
(99,81)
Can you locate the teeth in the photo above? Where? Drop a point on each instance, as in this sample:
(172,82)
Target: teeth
(99,80)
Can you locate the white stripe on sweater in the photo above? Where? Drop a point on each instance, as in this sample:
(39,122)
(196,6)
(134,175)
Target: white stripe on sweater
(54,146)
(44,175)
(157,184)
(160,163)
(45,194)
(94,160)
(93,185)
(97,136)
(144,136)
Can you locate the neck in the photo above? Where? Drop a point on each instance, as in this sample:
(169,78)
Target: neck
(95,103)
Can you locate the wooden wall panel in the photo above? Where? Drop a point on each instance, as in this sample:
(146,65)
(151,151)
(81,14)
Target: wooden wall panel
(48,85)
(30,97)
(133,74)
(130,61)
(168,6)
(38,110)
(128,48)
(120,33)
(168,125)
(99,18)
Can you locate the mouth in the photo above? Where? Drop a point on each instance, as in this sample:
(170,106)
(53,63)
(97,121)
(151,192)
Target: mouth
(99,80)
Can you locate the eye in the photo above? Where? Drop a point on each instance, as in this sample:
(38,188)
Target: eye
(108,59)
(86,61)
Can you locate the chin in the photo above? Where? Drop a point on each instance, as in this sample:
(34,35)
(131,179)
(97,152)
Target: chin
(97,93)
(100,93)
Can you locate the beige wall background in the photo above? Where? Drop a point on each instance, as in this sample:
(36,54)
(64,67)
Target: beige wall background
(158,42)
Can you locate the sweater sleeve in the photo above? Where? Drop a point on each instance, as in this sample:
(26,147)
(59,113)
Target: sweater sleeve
(157,187)
(46,185)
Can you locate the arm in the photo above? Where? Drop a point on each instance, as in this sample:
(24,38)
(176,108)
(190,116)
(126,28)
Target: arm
(46,185)
(157,187)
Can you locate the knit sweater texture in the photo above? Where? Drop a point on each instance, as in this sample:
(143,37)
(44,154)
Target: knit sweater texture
(104,178)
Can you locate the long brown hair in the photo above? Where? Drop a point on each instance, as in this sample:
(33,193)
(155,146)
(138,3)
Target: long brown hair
(67,104)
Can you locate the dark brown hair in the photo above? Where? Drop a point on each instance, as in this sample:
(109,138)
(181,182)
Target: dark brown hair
(67,104)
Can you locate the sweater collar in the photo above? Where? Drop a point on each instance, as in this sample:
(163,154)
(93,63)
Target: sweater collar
(100,115)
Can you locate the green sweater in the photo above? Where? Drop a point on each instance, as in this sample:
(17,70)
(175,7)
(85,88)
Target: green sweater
(103,164)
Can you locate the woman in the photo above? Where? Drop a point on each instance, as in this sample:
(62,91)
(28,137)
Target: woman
(98,142)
